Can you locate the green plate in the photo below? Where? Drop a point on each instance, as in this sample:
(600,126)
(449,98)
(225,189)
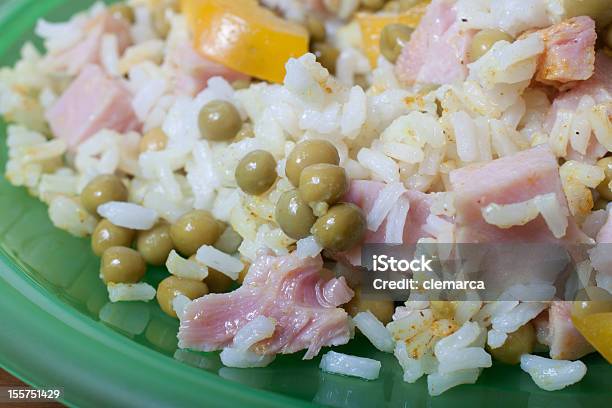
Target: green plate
(59,330)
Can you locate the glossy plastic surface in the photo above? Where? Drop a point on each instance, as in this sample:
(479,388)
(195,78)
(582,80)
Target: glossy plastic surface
(58,329)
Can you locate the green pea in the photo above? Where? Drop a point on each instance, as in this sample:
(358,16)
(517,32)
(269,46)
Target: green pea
(219,120)
(323,182)
(393,37)
(293,215)
(256,172)
(341,228)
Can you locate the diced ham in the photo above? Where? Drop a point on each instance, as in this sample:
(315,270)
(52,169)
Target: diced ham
(363,193)
(287,289)
(555,329)
(436,52)
(507,180)
(601,255)
(569,53)
(598,87)
(87,51)
(192,70)
(91,103)
(604,236)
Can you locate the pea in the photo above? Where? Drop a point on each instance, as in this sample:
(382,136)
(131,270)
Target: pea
(341,228)
(256,172)
(192,230)
(393,37)
(293,215)
(483,41)
(323,182)
(103,189)
(154,140)
(592,300)
(173,286)
(608,37)
(122,10)
(108,235)
(600,204)
(602,188)
(316,28)
(308,153)
(243,272)
(392,6)
(598,10)
(155,244)
(382,309)
(327,55)
(122,265)
(373,5)
(219,120)
(518,343)
(217,282)
(407,4)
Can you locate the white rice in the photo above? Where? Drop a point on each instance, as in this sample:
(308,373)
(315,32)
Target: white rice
(179,303)
(510,215)
(375,331)
(68,213)
(258,329)
(124,292)
(308,247)
(128,215)
(231,357)
(386,199)
(185,268)
(512,320)
(220,261)
(396,221)
(552,375)
(456,352)
(496,339)
(437,383)
(344,364)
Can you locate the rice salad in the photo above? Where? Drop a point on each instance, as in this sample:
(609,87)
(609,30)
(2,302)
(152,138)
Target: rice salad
(254,167)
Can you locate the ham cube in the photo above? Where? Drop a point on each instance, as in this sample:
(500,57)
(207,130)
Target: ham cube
(91,103)
(87,51)
(569,51)
(436,52)
(287,289)
(192,70)
(507,180)
(599,88)
(363,193)
(555,329)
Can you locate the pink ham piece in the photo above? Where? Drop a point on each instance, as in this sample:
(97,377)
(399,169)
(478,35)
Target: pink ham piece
(192,71)
(569,53)
(87,50)
(91,103)
(601,254)
(285,288)
(507,180)
(363,193)
(436,52)
(598,87)
(555,329)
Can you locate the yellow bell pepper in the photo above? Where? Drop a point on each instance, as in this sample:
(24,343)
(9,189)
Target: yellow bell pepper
(244,36)
(372,25)
(597,329)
